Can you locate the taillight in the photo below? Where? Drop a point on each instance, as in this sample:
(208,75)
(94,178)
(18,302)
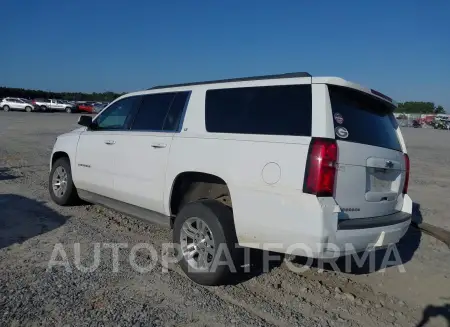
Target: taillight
(405,186)
(320,170)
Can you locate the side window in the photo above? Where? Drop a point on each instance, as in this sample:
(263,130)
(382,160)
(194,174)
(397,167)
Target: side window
(153,111)
(115,117)
(270,110)
(173,117)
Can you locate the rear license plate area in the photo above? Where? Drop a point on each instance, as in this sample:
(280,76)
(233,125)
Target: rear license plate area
(381,180)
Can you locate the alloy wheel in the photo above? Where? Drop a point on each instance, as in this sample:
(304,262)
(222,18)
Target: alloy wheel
(197,243)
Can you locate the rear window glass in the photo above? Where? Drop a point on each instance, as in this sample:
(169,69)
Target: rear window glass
(270,110)
(363,118)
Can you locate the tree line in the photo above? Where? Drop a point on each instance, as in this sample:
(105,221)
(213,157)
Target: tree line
(72,96)
(417,107)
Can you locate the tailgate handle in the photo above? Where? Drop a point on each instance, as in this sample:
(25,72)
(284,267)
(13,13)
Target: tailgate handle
(380,196)
(382,163)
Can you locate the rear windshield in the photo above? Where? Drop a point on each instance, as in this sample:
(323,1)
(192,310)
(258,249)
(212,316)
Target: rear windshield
(361,118)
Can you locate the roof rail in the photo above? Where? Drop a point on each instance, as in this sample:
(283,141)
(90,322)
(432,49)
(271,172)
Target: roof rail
(241,79)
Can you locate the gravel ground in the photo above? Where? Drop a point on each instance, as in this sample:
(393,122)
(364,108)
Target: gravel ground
(31,225)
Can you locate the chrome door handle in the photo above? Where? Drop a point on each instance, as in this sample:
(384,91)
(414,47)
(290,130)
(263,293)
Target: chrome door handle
(158,145)
(110,142)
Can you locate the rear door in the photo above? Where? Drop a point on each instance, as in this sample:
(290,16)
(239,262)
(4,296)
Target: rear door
(12,103)
(143,150)
(371,164)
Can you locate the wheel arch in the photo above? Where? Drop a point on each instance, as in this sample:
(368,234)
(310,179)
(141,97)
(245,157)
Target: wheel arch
(206,185)
(57,155)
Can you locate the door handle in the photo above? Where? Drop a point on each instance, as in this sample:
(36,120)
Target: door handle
(158,145)
(110,142)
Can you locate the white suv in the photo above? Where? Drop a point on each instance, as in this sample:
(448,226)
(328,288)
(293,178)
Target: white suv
(8,104)
(288,163)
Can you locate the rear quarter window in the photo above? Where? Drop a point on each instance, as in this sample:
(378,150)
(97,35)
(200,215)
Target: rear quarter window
(269,110)
(367,119)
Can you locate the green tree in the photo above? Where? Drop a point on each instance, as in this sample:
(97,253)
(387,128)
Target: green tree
(439,110)
(33,94)
(416,107)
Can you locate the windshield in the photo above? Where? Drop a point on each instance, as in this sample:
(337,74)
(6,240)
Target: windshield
(364,118)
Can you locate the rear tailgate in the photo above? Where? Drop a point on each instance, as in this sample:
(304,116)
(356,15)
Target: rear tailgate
(371,164)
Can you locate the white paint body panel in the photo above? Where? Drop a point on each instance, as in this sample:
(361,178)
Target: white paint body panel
(278,212)
(139,170)
(94,163)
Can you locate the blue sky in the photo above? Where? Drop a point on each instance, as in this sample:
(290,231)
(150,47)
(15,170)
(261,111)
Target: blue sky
(401,47)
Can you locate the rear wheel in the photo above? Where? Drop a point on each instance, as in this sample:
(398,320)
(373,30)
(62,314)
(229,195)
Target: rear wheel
(28,109)
(205,233)
(69,110)
(61,187)
(5,108)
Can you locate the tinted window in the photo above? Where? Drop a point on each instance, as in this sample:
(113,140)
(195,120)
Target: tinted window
(174,116)
(115,117)
(153,111)
(367,119)
(272,110)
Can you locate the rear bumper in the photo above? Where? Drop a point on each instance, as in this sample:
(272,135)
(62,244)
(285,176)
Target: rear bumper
(353,240)
(374,222)
(310,227)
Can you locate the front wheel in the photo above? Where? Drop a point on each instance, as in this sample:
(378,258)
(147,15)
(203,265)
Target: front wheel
(5,108)
(204,233)
(61,187)
(69,110)
(43,108)
(28,109)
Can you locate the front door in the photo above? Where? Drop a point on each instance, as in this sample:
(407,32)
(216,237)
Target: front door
(97,149)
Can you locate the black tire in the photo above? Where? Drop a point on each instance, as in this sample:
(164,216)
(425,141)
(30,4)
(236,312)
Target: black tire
(28,109)
(219,219)
(69,110)
(5,108)
(43,108)
(70,196)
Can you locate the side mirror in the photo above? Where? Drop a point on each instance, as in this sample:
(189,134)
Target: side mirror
(85,121)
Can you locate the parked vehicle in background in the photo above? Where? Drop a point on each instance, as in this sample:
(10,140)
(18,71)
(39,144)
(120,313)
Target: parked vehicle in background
(53,105)
(99,107)
(16,104)
(416,124)
(84,107)
(268,162)
(441,124)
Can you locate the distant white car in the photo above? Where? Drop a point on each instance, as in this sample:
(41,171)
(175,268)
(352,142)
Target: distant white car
(8,104)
